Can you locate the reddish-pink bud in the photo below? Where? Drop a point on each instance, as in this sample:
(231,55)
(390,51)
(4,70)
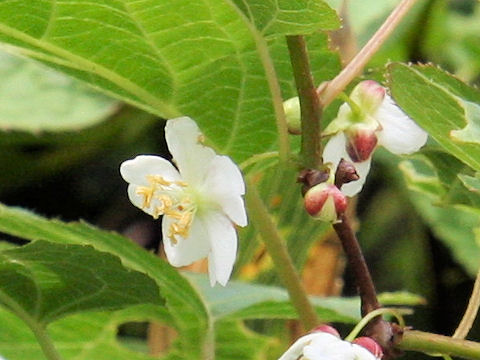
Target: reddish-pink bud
(368,95)
(327,329)
(325,202)
(361,141)
(371,345)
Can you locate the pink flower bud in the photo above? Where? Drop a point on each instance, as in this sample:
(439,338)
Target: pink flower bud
(327,329)
(361,141)
(325,202)
(368,95)
(371,345)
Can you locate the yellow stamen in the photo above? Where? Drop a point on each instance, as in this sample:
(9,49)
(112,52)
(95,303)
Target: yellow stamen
(147,194)
(171,200)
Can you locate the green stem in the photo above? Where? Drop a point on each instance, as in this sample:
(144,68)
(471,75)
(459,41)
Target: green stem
(397,313)
(37,328)
(438,344)
(282,127)
(277,249)
(471,312)
(45,342)
(256,158)
(311,111)
(273,84)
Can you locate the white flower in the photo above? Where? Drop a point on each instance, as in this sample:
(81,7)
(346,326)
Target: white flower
(380,123)
(325,346)
(200,202)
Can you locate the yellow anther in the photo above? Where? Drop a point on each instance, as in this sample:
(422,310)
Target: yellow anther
(171,200)
(147,193)
(186,220)
(171,235)
(173,214)
(180,183)
(158,180)
(157,211)
(166,200)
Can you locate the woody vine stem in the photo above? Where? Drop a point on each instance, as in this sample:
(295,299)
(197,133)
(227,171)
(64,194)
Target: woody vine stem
(312,102)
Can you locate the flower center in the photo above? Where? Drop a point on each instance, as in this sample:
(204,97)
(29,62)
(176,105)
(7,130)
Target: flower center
(170,198)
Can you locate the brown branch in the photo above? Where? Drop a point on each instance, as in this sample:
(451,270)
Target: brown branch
(363,279)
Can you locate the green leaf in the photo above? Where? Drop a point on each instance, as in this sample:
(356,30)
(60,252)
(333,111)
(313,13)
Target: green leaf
(85,336)
(435,101)
(285,17)
(419,177)
(472,183)
(456,226)
(444,178)
(48,281)
(235,342)
(184,304)
(171,58)
(471,132)
(34,98)
(93,335)
(250,301)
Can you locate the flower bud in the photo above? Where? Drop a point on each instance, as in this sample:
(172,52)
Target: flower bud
(368,95)
(327,329)
(371,345)
(293,114)
(325,202)
(361,141)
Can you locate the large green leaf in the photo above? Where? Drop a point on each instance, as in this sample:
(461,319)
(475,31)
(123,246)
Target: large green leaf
(440,104)
(251,301)
(34,98)
(197,58)
(49,280)
(83,336)
(285,17)
(456,225)
(93,335)
(186,307)
(235,342)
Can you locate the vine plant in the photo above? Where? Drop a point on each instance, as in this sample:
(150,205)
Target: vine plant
(236,83)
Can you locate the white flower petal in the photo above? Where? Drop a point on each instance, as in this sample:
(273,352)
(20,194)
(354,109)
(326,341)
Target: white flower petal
(191,156)
(335,150)
(134,171)
(296,349)
(136,199)
(187,250)
(354,187)
(224,183)
(223,242)
(234,208)
(399,134)
(333,350)
(362,353)
(224,177)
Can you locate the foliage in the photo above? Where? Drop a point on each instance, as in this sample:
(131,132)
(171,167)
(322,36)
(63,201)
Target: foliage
(104,77)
